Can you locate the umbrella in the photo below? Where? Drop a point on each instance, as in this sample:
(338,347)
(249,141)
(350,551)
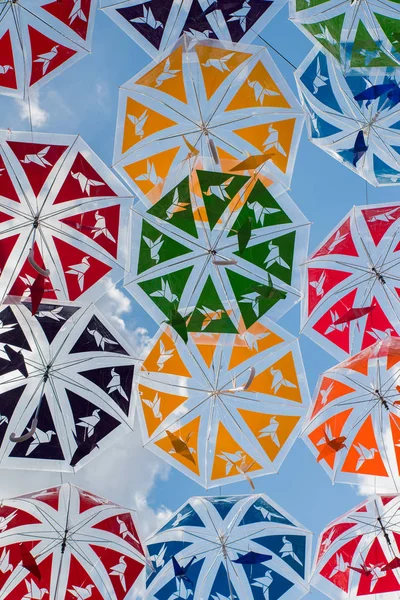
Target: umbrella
(218,249)
(64,219)
(204,100)
(64,542)
(65,386)
(351,296)
(40,39)
(360,35)
(354,425)
(199,552)
(224,407)
(358,553)
(154,27)
(354,118)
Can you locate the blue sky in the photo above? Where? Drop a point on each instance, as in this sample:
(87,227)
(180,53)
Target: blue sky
(84,100)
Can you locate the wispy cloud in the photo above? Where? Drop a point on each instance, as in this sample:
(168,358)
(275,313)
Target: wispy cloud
(30,110)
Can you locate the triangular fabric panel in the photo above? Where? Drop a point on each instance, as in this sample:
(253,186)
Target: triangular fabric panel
(83,181)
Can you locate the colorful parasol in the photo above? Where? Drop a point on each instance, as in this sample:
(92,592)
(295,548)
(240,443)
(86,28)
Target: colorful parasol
(64,542)
(227,548)
(218,250)
(354,426)
(352,292)
(205,100)
(358,553)
(39,39)
(354,118)
(223,408)
(65,386)
(64,220)
(157,25)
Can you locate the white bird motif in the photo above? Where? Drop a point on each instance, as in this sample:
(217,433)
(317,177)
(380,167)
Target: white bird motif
(82,593)
(318,284)
(119,571)
(101,227)
(182,592)
(79,271)
(335,326)
(380,335)
(364,454)
(338,239)
(267,514)
(271,431)
(90,422)
(232,460)
(39,437)
(3,419)
(5,565)
(147,19)
(124,531)
(393,177)
(54,314)
(154,247)
(150,175)
(326,35)
(325,394)
(319,79)
(219,190)
(115,385)
(260,211)
(241,15)
(38,159)
(200,35)
(274,257)
(176,206)
(272,141)
(5,521)
(77,13)
(377,573)
(100,339)
(260,91)
(28,281)
(139,123)
(33,591)
(5,328)
(341,566)
(264,583)
(385,216)
(85,183)
(252,339)
(179,518)
(210,315)
(252,298)
(46,58)
(219,596)
(370,55)
(155,406)
(4,69)
(158,559)
(167,73)
(287,550)
(219,63)
(279,381)
(327,542)
(165,292)
(164,355)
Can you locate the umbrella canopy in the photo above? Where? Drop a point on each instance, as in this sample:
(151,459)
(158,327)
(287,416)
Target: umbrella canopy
(40,39)
(64,219)
(65,386)
(354,425)
(354,118)
(352,291)
(223,407)
(64,542)
(154,27)
(229,548)
(221,249)
(204,99)
(358,553)
(360,35)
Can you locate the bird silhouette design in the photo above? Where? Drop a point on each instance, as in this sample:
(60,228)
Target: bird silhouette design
(329,444)
(38,159)
(79,270)
(118,570)
(46,58)
(85,183)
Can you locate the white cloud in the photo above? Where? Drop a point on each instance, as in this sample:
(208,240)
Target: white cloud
(30,110)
